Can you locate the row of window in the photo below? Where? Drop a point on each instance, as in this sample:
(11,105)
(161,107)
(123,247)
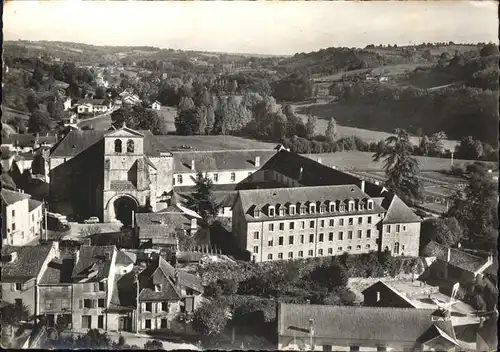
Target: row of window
(321,237)
(322,223)
(271,211)
(118,146)
(50,304)
(87,321)
(91,303)
(398,228)
(310,253)
(159,307)
(215,178)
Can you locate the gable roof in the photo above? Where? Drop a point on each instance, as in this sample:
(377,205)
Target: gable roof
(93,258)
(10,197)
(33,204)
(162,225)
(355,322)
(383,284)
(59,270)
(458,258)
(122,129)
(220,160)
(125,259)
(27,265)
(398,211)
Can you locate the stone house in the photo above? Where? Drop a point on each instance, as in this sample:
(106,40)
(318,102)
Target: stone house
(164,293)
(21,218)
(353,328)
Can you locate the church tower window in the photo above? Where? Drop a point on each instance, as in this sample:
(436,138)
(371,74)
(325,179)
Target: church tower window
(118,146)
(130,146)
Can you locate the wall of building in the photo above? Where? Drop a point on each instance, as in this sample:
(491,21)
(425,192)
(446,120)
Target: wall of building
(164,178)
(35,222)
(381,296)
(83,291)
(27,294)
(60,297)
(223,177)
(408,238)
(157,314)
(16,215)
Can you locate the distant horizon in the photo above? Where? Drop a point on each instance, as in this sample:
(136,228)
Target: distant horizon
(267,28)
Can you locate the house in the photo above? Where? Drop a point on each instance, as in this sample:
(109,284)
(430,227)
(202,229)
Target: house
(131,99)
(301,222)
(156,105)
(354,328)
(93,278)
(161,229)
(67,104)
(92,106)
(22,270)
(381,294)
(223,166)
(164,293)
(28,142)
(21,218)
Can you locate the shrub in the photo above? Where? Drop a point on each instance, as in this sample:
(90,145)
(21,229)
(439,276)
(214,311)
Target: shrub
(153,345)
(210,318)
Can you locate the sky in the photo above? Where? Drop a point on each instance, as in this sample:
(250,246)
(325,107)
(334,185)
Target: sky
(251,27)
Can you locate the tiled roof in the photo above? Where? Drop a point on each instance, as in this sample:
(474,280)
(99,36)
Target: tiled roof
(220,160)
(59,270)
(259,198)
(162,225)
(398,211)
(381,283)
(10,197)
(355,322)
(458,258)
(124,259)
(33,204)
(123,296)
(93,257)
(91,101)
(27,264)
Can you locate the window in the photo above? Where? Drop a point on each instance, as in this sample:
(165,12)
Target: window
(256,249)
(88,303)
(100,321)
(310,253)
(322,208)
(282,226)
(292,210)
(101,303)
(322,223)
(216,177)
(339,249)
(351,206)
(311,224)
(358,247)
(256,235)
(118,146)
(147,323)
(149,307)
(360,233)
(330,236)
(291,225)
(280,255)
(280,241)
(256,213)
(271,211)
(398,228)
(179,179)
(331,207)
(354,348)
(301,239)
(360,220)
(302,210)
(349,248)
(271,227)
(341,236)
(351,221)
(18,286)
(368,233)
(330,250)
(312,208)
(342,207)
(101,286)
(86,321)
(49,304)
(233,177)
(370,205)
(290,254)
(378,296)
(349,235)
(164,323)
(327,348)
(388,228)
(367,246)
(130,146)
(321,237)
(320,251)
(270,256)
(404,227)
(65,303)
(341,222)
(13,213)
(361,206)
(311,238)
(369,219)
(290,240)
(403,247)
(282,211)
(332,223)
(13,227)
(270,242)
(302,225)
(301,254)
(396,248)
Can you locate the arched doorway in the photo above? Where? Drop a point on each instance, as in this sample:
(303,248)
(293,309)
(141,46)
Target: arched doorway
(123,207)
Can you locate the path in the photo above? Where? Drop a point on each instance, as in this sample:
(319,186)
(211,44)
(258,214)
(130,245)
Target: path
(97,119)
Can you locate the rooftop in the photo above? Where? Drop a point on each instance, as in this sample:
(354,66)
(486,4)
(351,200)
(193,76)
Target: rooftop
(10,197)
(93,259)
(33,204)
(398,211)
(59,269)
(164,224)
(27,264)
(91,101)
(458,258)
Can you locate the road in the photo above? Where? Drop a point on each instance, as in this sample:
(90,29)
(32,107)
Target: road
(99,122)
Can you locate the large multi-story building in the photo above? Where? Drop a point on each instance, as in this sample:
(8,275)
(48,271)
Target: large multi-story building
(21,218)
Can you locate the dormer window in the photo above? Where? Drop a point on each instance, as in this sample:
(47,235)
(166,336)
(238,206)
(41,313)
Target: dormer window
(256,213)
(312,208)
(322,208)
(370,204)
(118,146)
(130,146)
(351,205)
(291,210)
(332,207)
(302,209)
(342,207)
(271,211)
(282,211)
(361,206)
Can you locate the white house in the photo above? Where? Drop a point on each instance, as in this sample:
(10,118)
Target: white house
(67,104)
(92,106)
(156,105)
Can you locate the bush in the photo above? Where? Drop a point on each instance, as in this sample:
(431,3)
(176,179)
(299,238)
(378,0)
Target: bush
(153,345)
(210,318)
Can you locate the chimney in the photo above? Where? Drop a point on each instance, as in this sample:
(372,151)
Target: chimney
(448,258)
(319,160)
(362,186)
(55,247)
(300,173)
(192,164)
(194,224)
(257,161)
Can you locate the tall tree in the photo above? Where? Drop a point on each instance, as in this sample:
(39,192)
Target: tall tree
(202,200)
(13,315)
(311,126)
(39,122)
(331,133)
(436,143)
(400,167)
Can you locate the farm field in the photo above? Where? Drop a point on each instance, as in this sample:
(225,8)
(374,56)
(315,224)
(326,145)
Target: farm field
(350,114)
(387,71)
(207,143)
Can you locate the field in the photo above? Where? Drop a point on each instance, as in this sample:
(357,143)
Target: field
(387,71)
(347,115)
(168,113)
(206,143)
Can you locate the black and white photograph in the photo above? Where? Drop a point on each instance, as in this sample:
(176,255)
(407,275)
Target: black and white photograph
(250,175)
